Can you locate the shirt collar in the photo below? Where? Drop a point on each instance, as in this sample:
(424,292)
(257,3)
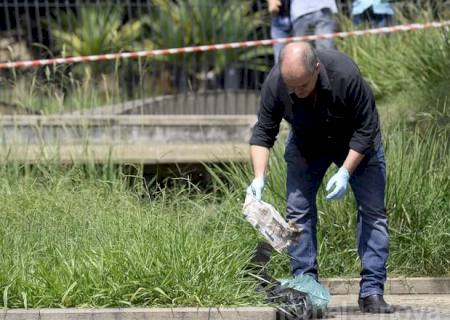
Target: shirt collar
(323,81)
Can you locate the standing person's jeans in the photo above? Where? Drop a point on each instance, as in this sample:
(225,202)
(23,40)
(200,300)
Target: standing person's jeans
(368,184)
(375,20)
(318,22)
(281,27)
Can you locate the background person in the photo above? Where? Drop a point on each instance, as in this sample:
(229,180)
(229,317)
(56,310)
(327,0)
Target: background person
(299,17)
(377,13)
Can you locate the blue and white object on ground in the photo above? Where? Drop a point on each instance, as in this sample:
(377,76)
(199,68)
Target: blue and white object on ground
(317,293)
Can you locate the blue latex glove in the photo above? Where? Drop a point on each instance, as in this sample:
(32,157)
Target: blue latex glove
(340,183)
(256,187)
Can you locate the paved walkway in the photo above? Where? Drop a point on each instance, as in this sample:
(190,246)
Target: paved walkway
(412,306)
(419,306)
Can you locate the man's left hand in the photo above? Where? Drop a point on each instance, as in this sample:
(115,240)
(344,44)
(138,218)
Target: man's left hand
(340,183)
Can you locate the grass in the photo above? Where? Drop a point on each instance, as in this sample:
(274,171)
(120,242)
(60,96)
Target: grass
(410,68)
(95,236)
(71,239)
(417,202)
(57,89)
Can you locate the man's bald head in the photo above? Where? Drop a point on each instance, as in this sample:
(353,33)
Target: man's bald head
(299,67)
(297,57)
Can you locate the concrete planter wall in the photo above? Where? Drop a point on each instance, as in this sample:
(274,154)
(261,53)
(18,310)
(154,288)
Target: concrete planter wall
(131,138)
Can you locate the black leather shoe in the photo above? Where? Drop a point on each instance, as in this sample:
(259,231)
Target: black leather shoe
(374,304)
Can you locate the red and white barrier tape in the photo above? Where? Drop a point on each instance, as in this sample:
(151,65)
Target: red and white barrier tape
(213,47)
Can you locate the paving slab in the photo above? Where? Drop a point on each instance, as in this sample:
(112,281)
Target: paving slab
(241,313)
(394,285)
(409,306)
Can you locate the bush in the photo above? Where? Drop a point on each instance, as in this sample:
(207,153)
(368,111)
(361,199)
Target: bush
(404,62)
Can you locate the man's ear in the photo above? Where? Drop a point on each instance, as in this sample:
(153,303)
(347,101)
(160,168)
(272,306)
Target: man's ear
(318,66)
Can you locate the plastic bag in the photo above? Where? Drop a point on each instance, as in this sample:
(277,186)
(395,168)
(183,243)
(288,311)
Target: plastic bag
(291,304)
(266,219)
(317,293)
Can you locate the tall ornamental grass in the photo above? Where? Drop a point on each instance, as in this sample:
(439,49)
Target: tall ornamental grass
(418,203)
(413,64)
(73,239)
(96,237)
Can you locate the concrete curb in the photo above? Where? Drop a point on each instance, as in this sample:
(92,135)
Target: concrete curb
(402,285)
(337,286)
(242,313)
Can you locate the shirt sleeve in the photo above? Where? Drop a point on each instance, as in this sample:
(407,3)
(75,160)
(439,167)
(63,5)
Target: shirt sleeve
(364,115)
(270,115)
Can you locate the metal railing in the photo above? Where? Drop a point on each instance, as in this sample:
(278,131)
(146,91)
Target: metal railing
(218,82)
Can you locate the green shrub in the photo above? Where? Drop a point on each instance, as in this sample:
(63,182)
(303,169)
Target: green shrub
(82,237)
(408,71)
(176,24)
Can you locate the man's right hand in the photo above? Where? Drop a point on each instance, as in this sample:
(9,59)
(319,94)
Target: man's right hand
(256,188)
(260,158)
(274,6)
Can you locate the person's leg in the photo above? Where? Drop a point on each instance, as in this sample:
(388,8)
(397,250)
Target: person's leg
(357,19)
(281,27)
(373,18)
(301,26)
(303,180)
(361,19)
(368,183)
(382,20)
(389,20)
(325,23)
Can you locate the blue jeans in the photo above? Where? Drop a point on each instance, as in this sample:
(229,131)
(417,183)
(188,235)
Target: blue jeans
(375,20)
(318,22)
(281,27)
(368,181)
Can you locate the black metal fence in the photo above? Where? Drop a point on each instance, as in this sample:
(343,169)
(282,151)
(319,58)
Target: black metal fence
(224,81)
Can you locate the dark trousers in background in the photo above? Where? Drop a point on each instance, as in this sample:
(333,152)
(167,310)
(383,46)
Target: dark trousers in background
(375,20)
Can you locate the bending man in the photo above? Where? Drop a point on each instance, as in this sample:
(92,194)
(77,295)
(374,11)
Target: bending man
(333,119)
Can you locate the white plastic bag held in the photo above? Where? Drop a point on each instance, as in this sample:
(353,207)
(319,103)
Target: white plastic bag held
(266,219)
